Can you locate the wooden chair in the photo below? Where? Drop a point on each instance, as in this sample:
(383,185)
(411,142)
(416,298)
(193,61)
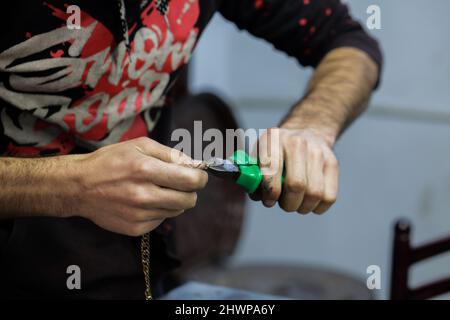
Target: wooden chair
(405,255)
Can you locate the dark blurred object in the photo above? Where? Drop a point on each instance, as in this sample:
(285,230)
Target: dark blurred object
(404,256)
(209,233)
(206,236)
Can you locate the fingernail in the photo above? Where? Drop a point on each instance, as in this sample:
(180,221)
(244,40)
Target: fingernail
(197,163)
(192,163)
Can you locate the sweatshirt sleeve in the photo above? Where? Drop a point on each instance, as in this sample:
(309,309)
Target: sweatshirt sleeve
(304,29)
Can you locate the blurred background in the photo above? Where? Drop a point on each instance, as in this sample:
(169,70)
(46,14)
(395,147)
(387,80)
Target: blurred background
(394,159)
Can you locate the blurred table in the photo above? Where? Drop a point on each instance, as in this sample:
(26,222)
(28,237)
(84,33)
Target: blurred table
(203,291)
(290,281)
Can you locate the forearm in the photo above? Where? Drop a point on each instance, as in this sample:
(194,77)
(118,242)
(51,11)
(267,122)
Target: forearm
(338,92)
(119,187)
(37,186)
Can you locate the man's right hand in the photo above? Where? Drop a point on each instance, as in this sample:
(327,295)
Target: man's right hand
(128,188)
(131,187)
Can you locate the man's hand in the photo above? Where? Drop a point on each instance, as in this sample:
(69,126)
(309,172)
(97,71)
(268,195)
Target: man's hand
(128,188)
(310,167)
(131,187)
(337,94)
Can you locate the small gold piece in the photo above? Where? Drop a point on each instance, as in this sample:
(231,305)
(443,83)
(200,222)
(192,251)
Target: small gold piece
(145,256)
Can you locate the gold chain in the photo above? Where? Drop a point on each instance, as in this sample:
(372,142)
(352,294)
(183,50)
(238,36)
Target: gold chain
(145,240)
(145,256)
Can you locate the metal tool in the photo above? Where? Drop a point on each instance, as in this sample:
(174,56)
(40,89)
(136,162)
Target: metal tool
(241,168)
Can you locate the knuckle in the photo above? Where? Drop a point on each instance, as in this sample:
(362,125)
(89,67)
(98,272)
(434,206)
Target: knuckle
(287,208)
(320,211)
(272,196)
(315,194)
(140,167)
(298,142)
(330,200)
(139,196)
(295,186)
(303,211)
(293,140)
(268,164)
(271,193)
(116,163)
(316,153)
(332,161)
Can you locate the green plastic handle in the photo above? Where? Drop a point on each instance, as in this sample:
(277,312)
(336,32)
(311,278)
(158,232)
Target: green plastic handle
(251,176)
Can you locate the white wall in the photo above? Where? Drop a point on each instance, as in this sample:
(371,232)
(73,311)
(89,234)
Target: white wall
(391,166)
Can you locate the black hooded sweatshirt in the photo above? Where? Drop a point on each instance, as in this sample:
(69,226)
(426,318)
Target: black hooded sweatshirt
(67,90)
